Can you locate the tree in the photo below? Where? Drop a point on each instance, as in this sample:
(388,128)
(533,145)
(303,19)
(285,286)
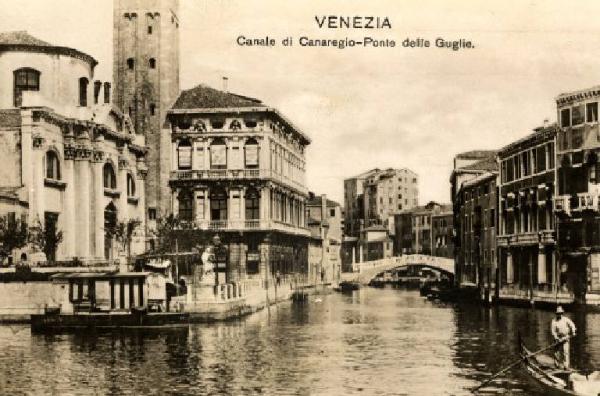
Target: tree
(13,235)
(123,232)
(170,230)
(45,239)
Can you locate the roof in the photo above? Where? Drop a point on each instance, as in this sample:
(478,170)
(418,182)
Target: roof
(23,41)
(99,275)
(481,178)
(567,98)
(488,164)
(316,201)
(539,135)
(476,154)
(205,97)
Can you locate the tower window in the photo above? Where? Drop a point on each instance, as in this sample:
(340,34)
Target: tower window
(106,92)
(83,85)
(149,29)
(97,86)
(152,109)
(26,79)
(130,63)
(152,63)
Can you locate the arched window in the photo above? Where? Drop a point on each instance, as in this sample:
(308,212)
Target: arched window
(26,79)
(106,92)
(185,200)
(130,63)
(110,222)
(218,204)
(218,154)
(110,180)
(130,185)
(52,166)
(251,153)
(184,155)
(152,63)
(152,109)
(83,86)
(97,87)
(252,204)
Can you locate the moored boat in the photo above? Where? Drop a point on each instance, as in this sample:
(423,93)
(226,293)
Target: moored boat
(556,381)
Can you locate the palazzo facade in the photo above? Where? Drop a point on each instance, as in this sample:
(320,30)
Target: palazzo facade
(238,171)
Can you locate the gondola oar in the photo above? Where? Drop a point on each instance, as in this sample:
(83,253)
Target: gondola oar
(505,369)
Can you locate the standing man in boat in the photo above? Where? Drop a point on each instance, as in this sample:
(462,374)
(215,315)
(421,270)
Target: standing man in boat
(562,329)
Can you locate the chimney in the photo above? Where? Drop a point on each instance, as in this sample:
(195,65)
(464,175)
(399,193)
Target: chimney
(225,81)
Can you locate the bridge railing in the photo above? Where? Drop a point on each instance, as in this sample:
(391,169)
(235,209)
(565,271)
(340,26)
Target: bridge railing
(444,263)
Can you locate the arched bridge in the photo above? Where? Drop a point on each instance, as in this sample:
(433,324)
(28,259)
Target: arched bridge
(367,270)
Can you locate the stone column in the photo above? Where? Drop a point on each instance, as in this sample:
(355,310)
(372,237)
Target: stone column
(36,205)
(82,169)
(68,174)
(510,271)
(97,203)
(541,265)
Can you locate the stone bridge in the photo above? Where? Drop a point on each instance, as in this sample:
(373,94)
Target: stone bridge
(367,270)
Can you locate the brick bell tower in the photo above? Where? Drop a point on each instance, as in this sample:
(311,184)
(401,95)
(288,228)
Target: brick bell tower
(146,79)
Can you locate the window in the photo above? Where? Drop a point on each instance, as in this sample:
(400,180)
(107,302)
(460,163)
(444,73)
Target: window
(106,92)
(331,212)
(149,29)
(591,110)
(152,109)
(577,115)
(565,118)
(110,180)
(218,204)
(52,166)
(97,87)
(26,79)
(185,199)
(252,205)
(130,185)
(218,154)
(152,213)
(184,155)
(83,86)
(130,63)
(152,63)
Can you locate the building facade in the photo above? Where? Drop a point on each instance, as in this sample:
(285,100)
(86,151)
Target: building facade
(442,232)
(324,218)
(238,170)
(578,189)
(354,207)
(526,232)
(70,157)
(475,220)
(146,78)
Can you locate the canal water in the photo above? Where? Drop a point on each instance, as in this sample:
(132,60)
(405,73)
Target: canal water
(371,342)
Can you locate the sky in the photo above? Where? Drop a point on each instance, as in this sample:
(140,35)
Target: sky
(368,107)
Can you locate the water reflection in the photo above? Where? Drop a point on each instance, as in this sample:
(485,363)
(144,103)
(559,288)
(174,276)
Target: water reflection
(372,342)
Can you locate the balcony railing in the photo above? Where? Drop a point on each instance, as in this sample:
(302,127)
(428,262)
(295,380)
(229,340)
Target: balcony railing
(528,238)
(562,203)
(245,225)
(235,174)
(586,201)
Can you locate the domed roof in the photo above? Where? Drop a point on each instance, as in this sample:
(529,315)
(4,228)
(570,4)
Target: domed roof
(23,41)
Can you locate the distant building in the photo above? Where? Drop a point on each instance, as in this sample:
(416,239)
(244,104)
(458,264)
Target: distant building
(375,243)
(374,196)
(526,231)
(424,230)
(71,162)
(474,184)
(324,218)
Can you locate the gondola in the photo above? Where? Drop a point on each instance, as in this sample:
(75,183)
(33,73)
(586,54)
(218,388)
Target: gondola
(556,381)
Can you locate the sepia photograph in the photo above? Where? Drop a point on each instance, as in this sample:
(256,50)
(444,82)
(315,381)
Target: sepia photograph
(325,197)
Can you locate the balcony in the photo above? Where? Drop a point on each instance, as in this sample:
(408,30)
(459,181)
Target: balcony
(547,237)
(235,174)
(562,204)
(526,239)
(586,201)
(250,225)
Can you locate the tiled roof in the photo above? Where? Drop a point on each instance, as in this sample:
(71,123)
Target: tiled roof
(541,134)
(10,118)
(21,37)
(204,97)
(23,41)
(476,154)
(488,164)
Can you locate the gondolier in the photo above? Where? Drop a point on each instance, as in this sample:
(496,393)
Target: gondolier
(562,329)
